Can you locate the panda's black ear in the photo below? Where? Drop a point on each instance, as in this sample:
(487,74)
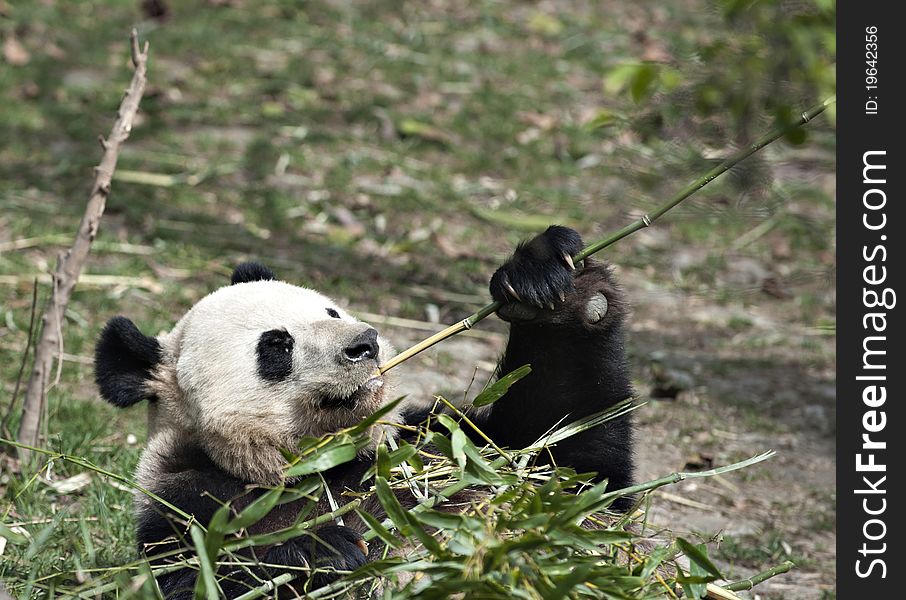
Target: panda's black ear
(123,360)
(252,271)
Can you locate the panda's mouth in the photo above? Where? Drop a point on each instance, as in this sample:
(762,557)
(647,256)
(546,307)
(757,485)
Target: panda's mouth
(362,393)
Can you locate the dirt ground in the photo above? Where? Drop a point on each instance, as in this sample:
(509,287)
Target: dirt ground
(735,402)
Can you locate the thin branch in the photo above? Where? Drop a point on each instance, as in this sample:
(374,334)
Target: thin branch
(641,223)
(70,265)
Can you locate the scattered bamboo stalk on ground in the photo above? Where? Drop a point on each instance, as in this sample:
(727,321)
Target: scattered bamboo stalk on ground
(643,222)
(69,265)
(89,280)
(748,584)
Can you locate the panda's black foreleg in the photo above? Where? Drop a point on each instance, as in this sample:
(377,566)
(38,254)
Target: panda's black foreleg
(321,553)
(319,559)
(566,321)
(327,554)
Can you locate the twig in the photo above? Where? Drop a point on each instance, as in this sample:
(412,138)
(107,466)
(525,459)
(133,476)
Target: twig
(70,265)
(643,222)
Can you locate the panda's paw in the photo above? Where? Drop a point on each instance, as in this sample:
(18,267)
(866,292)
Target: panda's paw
(329,552)
(539,275)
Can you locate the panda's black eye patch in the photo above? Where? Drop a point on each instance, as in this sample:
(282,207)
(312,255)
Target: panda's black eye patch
(333,314)
(275,355)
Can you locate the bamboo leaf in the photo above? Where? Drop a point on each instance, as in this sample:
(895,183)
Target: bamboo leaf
(394,509)
(698,555)
(375,417)
(254,512)
(458,443)
(405,522)
(206,583)
(500,387)
(216,530)
(379,530)
(322,460)
(382,462)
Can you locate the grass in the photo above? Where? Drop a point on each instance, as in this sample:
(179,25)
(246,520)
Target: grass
(89,528)
(362,150)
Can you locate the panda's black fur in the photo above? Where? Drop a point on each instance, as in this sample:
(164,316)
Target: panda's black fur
(566,323)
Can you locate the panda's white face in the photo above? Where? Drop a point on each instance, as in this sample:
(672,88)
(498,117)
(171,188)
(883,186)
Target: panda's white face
(254,366)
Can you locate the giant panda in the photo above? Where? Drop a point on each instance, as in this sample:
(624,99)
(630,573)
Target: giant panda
(260,363)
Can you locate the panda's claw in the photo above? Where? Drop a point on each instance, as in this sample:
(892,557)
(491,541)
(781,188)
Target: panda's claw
(509,288)
(540,273)
(569,261)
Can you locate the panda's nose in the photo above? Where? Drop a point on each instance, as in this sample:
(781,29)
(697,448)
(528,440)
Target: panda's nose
(362,346)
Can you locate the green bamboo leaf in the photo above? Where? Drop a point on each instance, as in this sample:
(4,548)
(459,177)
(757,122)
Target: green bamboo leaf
(575,577)
(382,462)
(605,118)
(458,443)
(403,453)
(654,560)
(254,512)
(698,555)
(380,531)
(479,468)
(206,584)
(216,530)
(500,387)
(391,505)
(618,78)
(375,417)
(448,422)
(442,443)
(513,219)
(405,522)
(441,520)
(324,459)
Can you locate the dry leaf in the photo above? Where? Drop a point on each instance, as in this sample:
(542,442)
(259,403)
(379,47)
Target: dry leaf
(15,53)
(71,484)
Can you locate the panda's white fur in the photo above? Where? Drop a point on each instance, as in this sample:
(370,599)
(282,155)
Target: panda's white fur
(208,390)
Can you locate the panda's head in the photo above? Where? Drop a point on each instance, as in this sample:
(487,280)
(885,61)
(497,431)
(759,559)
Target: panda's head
(250,369)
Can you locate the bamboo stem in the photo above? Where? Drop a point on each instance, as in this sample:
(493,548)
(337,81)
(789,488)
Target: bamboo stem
(748,584)
(641,223)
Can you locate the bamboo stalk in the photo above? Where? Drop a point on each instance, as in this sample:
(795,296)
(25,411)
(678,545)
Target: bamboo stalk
(643,222)
(748,584)
(715,592)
